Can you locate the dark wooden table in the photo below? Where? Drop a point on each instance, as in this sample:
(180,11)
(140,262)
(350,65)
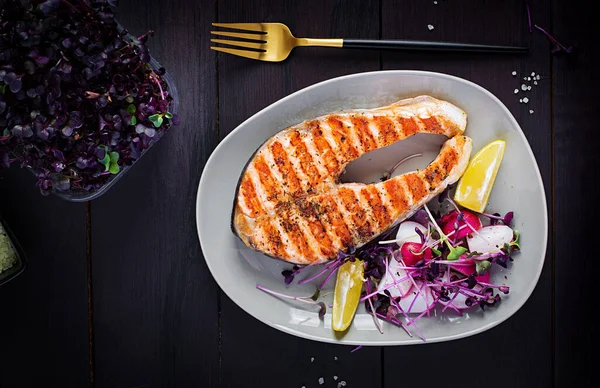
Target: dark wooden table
(117,293)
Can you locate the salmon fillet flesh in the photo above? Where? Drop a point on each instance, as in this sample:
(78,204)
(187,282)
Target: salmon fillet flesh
(290,204)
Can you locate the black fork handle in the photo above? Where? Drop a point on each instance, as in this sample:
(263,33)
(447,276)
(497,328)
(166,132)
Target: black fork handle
(429,46)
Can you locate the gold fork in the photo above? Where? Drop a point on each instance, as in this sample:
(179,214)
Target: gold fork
(273,42)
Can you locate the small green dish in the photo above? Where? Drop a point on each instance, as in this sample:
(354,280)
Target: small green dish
(21,262)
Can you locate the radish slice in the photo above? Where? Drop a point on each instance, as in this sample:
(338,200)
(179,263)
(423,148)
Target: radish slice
(423,300)
(406,232)
(466,270)
(411,258)
(485,278)
(449,219)
(400,289)
(490,239)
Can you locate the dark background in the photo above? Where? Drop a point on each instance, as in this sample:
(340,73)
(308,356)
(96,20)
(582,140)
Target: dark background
(117,293)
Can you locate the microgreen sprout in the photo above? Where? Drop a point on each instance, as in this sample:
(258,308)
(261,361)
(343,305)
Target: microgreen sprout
(305,299)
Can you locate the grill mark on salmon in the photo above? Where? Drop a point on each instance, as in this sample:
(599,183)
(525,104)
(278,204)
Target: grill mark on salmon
(267,181)
(342,140)
(361,126)
(360,223)
(288,203)
(324,150)
(286,169)
(371,195)
(387,130)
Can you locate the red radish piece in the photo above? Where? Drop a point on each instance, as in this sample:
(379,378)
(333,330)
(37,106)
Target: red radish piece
(410,253)
(466,270)
(449,219)
(490,239)
(484,278)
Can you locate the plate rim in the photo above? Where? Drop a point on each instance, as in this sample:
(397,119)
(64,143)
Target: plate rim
(409,341)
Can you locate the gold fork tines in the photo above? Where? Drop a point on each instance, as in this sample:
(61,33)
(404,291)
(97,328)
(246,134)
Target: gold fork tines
(272,42)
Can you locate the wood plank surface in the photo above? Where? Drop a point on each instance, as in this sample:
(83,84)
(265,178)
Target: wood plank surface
(254,354)
(44,311)
(520,351)
(155,303)
(577,190)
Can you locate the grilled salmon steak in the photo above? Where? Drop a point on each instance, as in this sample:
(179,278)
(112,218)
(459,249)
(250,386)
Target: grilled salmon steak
(289,202)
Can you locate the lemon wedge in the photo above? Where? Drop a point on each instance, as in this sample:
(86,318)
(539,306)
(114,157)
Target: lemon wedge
(474,187)
(346,296)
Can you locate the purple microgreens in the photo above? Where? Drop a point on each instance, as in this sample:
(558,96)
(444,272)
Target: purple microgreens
(305,299)
(78,82)
(395,322)
(330,274)
(557,46)
(387,287)
(388,174)
(421,235)
(528,14)
(503,289)
(356,348)
(420,217)
(332,264)
(494,218)
(375,319)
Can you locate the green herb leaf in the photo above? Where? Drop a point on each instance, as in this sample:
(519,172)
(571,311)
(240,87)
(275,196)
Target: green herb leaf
(131,109)
(474,254)
(114,157)
(506,248)
(106,161)
(169,115)
(456,253)
(3,89)
(315,296)
(154,117)
(158,122)
(436,252)
(114,168)
(481,266)
(133,120)
(515,243)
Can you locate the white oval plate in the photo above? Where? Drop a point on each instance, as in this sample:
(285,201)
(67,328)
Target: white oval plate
(518,187)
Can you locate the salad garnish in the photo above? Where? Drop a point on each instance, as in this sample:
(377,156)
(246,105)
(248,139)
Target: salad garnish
(430,261)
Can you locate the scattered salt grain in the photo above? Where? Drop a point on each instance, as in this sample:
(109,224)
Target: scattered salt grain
(523,87)
(533,73)
(335,358)
(537,76)
(520,100)
(530,111)
(524,78)
(535,82)
(430,27)
(526,100)
(435,2)
(321,381)
(335,377)
(529,88)
(516,91)
(528,78)
(312,359)
(514,73)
